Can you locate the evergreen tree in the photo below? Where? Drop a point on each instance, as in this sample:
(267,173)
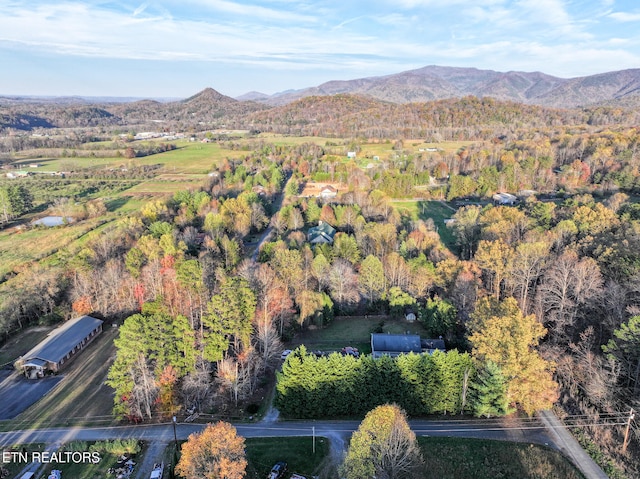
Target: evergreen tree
(489,392)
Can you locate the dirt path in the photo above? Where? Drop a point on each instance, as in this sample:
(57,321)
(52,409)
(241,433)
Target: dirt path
(154,454)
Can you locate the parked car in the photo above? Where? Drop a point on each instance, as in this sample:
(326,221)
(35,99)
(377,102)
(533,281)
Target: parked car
(285,353)
(278,470)
(350,351)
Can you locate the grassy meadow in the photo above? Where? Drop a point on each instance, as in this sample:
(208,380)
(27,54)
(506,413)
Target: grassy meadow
(263,453)
(459,458)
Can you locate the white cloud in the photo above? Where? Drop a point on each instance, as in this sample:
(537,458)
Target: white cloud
(625,16)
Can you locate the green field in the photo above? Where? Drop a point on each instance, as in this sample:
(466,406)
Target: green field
(297,452)
(21,247)
(436,210)
(189,157)
(458,458)
(353,331)
(22,343)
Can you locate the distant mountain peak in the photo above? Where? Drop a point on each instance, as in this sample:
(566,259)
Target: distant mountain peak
(210,95)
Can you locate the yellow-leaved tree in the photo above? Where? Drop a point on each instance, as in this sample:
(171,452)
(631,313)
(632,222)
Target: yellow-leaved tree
(503,335)
(384,446)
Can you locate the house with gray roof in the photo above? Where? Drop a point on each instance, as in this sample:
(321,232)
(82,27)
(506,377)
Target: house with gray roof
(323,233)
(62,345)
(394,344)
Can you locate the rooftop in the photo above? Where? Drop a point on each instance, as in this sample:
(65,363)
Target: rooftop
(63,339)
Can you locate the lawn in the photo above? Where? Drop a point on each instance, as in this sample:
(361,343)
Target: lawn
(87,469)
(81,398)
(263,453)
(436,210)
(458,458)
(22,342)
(353,331)
(15,467)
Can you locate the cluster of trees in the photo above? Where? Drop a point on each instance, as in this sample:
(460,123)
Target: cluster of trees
(337,385)
(15,200)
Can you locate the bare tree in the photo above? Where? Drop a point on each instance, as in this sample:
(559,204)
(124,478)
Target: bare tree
(567,286)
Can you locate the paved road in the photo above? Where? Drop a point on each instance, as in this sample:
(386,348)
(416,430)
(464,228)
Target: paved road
(512,430)
(547,430)
(570,447)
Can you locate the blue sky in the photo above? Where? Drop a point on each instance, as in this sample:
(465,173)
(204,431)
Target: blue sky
(175,48)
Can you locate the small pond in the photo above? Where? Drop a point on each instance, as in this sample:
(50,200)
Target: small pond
(53,221)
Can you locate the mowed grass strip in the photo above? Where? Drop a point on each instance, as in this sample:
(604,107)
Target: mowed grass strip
(81,398)
(297,452)
(460,458)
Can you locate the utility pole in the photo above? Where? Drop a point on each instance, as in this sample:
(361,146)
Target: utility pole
(313,432)
(626,431)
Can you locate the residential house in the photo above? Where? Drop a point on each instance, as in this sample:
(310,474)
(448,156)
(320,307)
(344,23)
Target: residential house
(328,192)
(323,233)
(504,199)
(394,344)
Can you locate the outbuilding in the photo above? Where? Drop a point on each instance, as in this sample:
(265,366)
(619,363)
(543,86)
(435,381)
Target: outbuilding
(62,344)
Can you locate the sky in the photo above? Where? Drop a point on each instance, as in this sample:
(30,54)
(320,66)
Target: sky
(176,48)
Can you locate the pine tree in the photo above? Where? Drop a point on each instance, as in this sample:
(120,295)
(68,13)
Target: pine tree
(489,392)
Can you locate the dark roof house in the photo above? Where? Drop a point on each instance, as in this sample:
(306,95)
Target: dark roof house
(60,346)
(394,344)
(323,233)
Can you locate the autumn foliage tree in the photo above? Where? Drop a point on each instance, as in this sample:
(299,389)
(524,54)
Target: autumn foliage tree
(503,335)
(215,453)
(384,446)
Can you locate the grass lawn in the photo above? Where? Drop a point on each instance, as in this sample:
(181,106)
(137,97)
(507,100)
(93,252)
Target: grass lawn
(88,470)
(81,398)
(459,458)
(263,453)
(15,467)
(422,209)
(353,331)
(23,342)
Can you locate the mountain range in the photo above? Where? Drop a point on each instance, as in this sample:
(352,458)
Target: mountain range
(437,82)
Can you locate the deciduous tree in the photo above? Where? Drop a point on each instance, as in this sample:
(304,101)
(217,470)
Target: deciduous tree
(215,453)
(384,447)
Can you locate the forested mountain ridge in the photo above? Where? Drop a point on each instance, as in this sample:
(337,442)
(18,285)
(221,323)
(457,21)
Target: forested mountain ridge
(437,82)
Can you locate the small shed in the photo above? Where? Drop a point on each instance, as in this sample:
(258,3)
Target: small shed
(62,344)
(394,344)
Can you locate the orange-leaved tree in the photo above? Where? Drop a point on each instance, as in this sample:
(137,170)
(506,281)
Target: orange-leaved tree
(215,453)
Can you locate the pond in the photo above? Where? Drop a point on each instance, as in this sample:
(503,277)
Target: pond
(53,221)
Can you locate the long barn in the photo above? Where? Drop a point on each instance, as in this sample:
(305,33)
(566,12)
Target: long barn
(62,344)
